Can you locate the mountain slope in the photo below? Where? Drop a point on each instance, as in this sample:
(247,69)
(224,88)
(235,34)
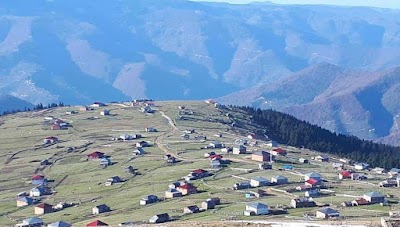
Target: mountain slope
(9,103)
(79,51)
(361,103)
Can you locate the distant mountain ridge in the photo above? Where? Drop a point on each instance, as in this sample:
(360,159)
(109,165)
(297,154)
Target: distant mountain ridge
(10,103)
(80,51)
(361,103)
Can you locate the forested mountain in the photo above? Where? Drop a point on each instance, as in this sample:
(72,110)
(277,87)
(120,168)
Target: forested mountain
(291,131)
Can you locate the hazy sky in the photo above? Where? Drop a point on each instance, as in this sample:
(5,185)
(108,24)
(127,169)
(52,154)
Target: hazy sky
(376,3)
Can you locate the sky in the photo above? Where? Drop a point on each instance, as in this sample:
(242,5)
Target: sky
(376,3)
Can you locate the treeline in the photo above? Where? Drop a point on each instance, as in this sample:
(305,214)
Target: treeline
(286,129)
(39,106)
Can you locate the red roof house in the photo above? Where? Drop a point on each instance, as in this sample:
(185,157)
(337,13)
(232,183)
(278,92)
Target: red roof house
(216,157)
(37,177)
(344,174)
(96,223)
(279,152)
(199,171)
(95,155)
(312,182)
(187,189)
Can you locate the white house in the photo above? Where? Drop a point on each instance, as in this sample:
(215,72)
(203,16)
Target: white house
(256,209)
(361,166)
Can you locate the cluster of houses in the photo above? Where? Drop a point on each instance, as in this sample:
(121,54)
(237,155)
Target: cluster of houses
(55,123)
(367,199)
(105,161)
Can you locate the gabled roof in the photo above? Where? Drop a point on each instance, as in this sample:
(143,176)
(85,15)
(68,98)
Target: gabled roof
(25,199)
(32,221)
(280,177)
(51,138)
(192,207)
(44,205)
(187,186)
(262,153)
(59,224)
(96,223)
(102,206)
(37,177)
(328,211)
(216,156)
(96,154)
(345,173)
(373,194)
(313,175)
(259,179)
(361,201)
(312,181)
(199,171)
(257,205)
(279,150)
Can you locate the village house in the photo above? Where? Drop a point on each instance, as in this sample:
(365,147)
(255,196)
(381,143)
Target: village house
(187,189)
(159,218)
(170,159)
(216,145)
(105,162)
(148,200)
(337,165)
(359,202)
(215,164)
(263,156)
(250,195)
(264,166)
(313,192)
(259,182)
(241,185)
(392,182)
(96,223)
(31,222)
(279,152)
(344,175)
(303,160)
(313,175)
(36,192)
(327,213)
(50,140)
(146,109)
(200,137)
(239,149)
(322,158)
(84,108)
(100,209)
(43,208)
(287,168)
(142,144)
(241,142)
(24,201)
(272,143)
(189,131)
(38,180)
(98,104)
(374,197)
(227,150)
(256,209)
(176,184)
(95,155)
(312,182)
(200,173)
(59,224)
(150,129)
(279,180)
(302,202)
(172,193)
(185,136)
(379,170)
(105,113)
(304,187)
(394,171)
(361,166)
(208,204)
(113,180)
(215,157)
(191,209)
(358,176)
(138,151)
